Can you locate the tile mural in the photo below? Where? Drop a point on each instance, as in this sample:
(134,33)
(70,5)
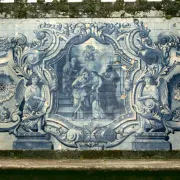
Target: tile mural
(90,84)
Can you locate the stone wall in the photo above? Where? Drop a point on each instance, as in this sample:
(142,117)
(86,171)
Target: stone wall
(90,84)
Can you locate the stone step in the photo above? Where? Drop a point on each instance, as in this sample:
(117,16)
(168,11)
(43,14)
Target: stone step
(66,114)
(66,109)
(65,105)
(65,101)
(63,96)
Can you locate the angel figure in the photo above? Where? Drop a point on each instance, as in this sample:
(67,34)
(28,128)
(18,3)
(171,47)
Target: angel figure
(151,103)
(34,103)
(90,53)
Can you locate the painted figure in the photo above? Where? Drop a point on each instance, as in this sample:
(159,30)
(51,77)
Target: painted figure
(97,101)
(151,104)
(80,92)
(71,71)
(90,53)
(34,103)
(111,78)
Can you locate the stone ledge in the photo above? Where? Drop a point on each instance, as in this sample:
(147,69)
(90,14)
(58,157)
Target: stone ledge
(141,165)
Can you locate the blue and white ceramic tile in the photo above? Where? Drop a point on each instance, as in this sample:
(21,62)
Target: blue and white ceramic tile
(90,84)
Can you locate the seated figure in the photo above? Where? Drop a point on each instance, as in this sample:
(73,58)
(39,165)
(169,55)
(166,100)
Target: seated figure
(34,103)
(151,104)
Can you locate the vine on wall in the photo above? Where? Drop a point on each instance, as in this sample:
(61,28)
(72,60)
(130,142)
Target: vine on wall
(88,8)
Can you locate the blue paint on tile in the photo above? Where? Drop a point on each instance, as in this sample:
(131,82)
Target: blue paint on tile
(91,86)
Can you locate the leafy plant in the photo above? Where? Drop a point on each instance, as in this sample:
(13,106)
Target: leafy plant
(88,8)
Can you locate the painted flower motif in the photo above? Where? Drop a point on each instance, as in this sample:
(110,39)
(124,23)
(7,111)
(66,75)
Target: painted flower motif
(7,88)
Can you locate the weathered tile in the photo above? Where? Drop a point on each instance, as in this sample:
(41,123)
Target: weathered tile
(81,84)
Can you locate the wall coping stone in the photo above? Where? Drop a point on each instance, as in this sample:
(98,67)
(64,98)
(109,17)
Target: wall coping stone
(140,165)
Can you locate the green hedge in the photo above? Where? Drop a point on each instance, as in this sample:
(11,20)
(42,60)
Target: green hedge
(88,8)
(161,155)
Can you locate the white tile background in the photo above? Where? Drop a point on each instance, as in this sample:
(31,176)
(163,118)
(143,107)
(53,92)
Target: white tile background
(9,27)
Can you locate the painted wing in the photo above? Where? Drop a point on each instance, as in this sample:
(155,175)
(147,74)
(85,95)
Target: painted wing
(20,91)
(163,89)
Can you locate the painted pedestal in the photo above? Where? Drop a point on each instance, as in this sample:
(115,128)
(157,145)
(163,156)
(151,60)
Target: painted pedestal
(33,141)
(151,141)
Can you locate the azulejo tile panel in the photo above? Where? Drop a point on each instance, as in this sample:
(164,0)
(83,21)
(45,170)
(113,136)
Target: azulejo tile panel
(90,84)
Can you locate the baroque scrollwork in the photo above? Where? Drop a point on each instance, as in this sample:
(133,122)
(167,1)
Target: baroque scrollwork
(7,87)
(90,85)
(6,116)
